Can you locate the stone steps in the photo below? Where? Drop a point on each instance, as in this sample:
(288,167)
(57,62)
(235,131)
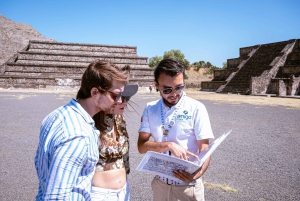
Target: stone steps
(48,63)
(70,76)
(82,47)
(139,74)
(33,56)
(81,54)
(31,69)
(258,64)
(19,74)
(46,81)
(236,70)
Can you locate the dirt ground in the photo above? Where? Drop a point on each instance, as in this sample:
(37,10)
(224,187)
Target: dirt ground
(289,102)
(196,77)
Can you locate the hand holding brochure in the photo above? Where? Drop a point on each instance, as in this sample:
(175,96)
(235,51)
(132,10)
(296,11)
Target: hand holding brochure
(211,148)
(164,165)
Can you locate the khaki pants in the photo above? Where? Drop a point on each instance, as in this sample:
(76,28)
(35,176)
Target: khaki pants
(165,192)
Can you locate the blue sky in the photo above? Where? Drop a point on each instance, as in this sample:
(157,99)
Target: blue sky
(202,30)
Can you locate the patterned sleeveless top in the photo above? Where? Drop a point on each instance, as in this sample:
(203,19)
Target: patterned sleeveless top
(114,154)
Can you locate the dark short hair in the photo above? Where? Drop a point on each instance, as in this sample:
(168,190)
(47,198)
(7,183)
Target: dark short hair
(170,67)
(101,74)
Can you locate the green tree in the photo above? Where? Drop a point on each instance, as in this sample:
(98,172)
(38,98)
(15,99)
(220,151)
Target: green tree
(177,54)
(208,65)
(199,65)
(202,64)
(224,65)
(153,61)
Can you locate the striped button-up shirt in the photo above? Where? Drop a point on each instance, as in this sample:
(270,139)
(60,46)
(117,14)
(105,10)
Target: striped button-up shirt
(67,154)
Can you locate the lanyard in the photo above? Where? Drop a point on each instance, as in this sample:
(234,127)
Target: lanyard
(172,122)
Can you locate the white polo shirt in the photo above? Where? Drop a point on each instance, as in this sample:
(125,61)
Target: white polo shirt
(190,123)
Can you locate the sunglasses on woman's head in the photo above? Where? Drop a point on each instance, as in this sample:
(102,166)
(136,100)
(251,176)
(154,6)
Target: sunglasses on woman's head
(169,90)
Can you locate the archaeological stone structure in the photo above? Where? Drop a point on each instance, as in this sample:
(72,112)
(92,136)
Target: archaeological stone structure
(55,65)
(261,69)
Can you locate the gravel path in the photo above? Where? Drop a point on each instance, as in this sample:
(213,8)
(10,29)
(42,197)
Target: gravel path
(259,159)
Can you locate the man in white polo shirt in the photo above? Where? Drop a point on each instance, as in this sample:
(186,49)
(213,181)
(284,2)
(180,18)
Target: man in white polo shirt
(180,126)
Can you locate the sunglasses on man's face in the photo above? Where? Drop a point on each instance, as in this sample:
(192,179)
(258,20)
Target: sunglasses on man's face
(177,89)
(115,96)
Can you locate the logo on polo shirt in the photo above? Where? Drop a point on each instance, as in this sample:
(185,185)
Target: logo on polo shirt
(184,116)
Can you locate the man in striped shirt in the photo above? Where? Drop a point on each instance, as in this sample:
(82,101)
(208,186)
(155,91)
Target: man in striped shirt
(67,152)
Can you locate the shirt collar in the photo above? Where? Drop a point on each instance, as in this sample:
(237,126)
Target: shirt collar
(79,109)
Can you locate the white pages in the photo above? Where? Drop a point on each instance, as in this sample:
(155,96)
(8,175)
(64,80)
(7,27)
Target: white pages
(164,165)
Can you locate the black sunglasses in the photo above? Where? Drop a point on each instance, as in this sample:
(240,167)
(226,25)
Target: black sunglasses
(169,90)
(125,98)
(115,96)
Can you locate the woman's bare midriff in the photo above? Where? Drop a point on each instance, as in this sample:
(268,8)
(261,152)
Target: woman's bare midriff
(112,179)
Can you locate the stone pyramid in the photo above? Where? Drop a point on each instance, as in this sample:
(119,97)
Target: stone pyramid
(272,68)
(53,65)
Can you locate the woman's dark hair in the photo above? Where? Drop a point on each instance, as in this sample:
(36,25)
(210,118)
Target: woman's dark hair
(170,67)
(99,122)
(101,74)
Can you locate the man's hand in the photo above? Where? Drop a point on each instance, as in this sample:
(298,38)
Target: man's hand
(187,177)
(180,152)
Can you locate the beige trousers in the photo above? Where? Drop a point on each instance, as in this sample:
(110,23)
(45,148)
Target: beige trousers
(165,192)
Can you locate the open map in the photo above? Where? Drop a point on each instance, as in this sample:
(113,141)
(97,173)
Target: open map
(164,165)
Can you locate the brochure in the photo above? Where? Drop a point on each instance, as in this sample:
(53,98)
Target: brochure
(164,165)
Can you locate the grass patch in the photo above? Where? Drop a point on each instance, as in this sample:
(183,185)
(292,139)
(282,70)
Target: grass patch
(224,187)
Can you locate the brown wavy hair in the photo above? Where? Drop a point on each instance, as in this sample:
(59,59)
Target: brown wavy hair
(99,117)
(101,74)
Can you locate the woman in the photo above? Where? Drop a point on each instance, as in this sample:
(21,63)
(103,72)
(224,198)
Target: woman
(110,178)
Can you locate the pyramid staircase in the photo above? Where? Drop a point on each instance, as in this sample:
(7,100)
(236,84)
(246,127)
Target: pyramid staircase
(232,75)
(47,64)
(257,68)
(257,64)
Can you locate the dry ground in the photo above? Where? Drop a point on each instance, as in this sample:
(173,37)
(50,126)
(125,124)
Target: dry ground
(289,102)
(196,77)
(271,132)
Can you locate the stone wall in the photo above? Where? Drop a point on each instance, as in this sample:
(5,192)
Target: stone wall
(294,89)
(285,86)
(259,85)
(221,75)
(245,51)
(233,63)
(210,85)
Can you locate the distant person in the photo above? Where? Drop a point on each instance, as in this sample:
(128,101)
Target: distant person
(67,152)
(150,88)
(110,178)
(179,126)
